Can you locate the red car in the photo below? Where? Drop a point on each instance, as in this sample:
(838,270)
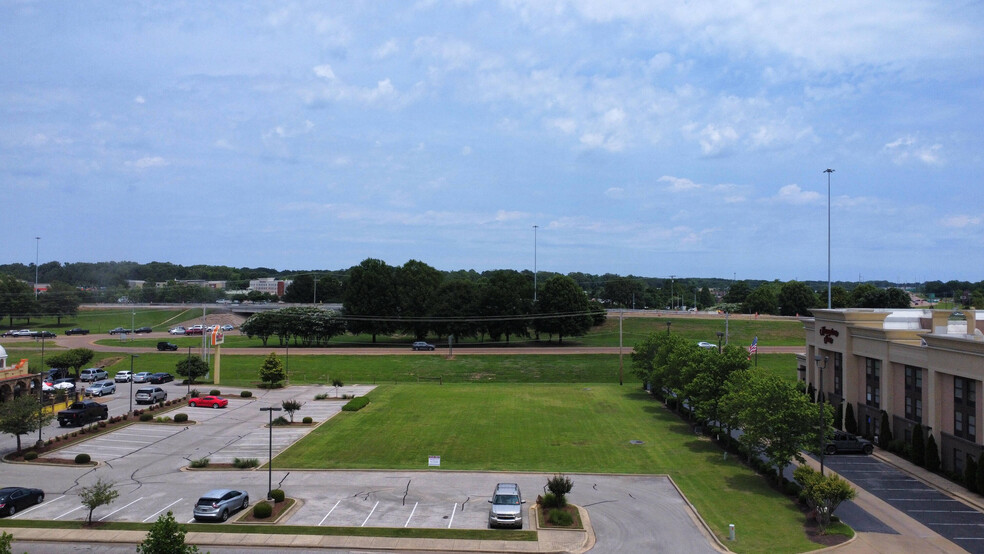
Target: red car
(213,401)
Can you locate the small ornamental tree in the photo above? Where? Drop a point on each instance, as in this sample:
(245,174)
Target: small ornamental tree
(839,417)
(291,406)
(850,422)
(272,371)
(22,415)
(98,494)
(560,485)
(165,537)
(918,446)
(884,431)
(970,473)
(191,368)
(6,540)
(932,454)
(336,382)
(822,493)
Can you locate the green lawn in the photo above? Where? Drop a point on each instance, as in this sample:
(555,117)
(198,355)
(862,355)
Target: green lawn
(553,428)
(787,332)
(102,320)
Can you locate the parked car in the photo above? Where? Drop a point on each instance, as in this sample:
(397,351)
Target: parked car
(219,503)
(160,378)
(93,374)
(421,345)
(13,499)
(46,334)
(142,377)
(195,330)
(149,395)
(118,331)
(213,401)
(707,345)
(123,376)
(77,331)
(101,388)
(22,333)
(507,506)
(10,333)
(55,373)
(228,327)
(164,345)
(143,330)
(80,413)
(846,442)
(179,330)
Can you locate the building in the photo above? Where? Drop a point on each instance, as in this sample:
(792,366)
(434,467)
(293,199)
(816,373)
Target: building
(918,365)
(270,285)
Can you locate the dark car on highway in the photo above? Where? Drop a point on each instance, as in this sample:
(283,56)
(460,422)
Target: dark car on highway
(13,499)
(46,334)
(77,331)
(161,378)
(164,345)
(144,330)
(118,331)
(421,345)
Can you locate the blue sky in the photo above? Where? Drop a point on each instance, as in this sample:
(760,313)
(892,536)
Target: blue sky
(651,138)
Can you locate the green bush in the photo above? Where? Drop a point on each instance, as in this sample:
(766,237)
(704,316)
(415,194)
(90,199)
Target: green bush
(245,463)
(550,500)
(560,485)
(32,455)
(262,510)
(200,463)
(560,517)
(277,495)
(356,404)
(194,393)
(246,394)
(281,421)
(163,419)
(146,417)
(308,420)
(215,392)
(180,418)
(82,458)
(322,396)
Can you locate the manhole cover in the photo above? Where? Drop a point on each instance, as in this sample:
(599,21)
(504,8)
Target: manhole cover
(636,442)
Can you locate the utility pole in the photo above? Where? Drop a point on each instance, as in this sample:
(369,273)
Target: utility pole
(535,227)
(828,171)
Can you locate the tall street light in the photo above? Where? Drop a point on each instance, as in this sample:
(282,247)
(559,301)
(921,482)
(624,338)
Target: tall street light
(37,249)
(270,463)
(40,391)
(828,171)
(132,356)
(823,420)
(534,261)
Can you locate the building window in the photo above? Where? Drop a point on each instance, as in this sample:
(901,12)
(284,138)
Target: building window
(913,393)
(872,382)
(838,374)
(965,408)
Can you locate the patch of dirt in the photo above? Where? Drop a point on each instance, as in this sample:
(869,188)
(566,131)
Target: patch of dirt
(812,530)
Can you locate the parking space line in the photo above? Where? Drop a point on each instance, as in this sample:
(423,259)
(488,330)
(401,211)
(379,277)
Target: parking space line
(370,514)
(411,514)
(34,507)
(70,511)
(453,510)
(329,512)
(118,509)
(949,511)
(162,509)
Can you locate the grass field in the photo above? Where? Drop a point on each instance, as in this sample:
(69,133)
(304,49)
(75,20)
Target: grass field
(553,428)
(102,320)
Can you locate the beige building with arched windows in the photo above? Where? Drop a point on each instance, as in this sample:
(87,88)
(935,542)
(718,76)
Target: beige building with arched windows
(919,366)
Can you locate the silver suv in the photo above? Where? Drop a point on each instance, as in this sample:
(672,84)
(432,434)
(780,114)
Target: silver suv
(507,506)
(93,374)
(219,503)
(150,395)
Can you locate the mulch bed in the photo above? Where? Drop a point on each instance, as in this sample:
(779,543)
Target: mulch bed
(812,530)
(278,508)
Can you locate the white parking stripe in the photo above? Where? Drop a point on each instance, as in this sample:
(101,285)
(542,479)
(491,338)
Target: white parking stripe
(70,511)
(453,510)
(370,514)
(329,513)
(162,509)
(34,507)
(118,509)
(411,514)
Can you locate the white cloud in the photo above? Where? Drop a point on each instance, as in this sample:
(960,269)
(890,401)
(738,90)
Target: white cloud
(386,49)
(139,100)
(617,193)
(793,194)
(146,162)
(717,141)
(223,144)
(906,148)
(565,125)
(961,221)
(466,151)
(678,184)
(324,71)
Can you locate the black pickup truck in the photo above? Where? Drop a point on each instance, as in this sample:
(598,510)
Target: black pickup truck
(83,412)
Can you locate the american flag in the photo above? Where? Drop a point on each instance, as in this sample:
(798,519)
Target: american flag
(754,347)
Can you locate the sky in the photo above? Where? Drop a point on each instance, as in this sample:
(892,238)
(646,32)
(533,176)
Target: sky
(599,136)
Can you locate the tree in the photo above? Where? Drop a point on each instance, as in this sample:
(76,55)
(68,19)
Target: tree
(73,359)
(98,494)
(980,474)
(60,300)
(623,292)
(416,289)
(191,368)
(6,540)
(762,300)
(508,298)
(22,415)
(850,422)
(560,485)
(16,299)
(707,385)
(165,537)
(262,325)
(737,293)
(932,454)
(796,298)
(301,290)
(970,473)
(272,371)
(822,493)
(336,382)
(291,406)
(838,417)
(370,300)
(918,446)
(563,308)
(454,308)
(884,431)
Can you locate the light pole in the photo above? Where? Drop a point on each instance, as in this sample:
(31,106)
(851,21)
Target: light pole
(188,380)
(823,420)
(132,356)
(828,171)
(720,334)
(534,261)
(37,249)
(668,323)
(41,391)
(270,464)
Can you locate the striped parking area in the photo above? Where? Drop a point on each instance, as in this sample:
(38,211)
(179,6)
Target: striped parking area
(117,444)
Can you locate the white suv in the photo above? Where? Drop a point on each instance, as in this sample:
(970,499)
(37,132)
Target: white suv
(123,376)
(150,395)
(93,374)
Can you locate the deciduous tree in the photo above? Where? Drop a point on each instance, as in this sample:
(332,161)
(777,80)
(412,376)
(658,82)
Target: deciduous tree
(23,415)
(822,493)
(165,537)
(191,368)
(100,493)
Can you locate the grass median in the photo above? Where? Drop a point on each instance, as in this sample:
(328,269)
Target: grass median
(571,428)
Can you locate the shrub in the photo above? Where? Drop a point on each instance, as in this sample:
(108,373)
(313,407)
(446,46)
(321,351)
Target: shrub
(671,403)
(969,476)
(355,404)
(550,500)
(102,424)
(195,393)
(560,518)
(245,463)
(163,419)
(308,420)
(918,454)
(322,396)
(932,454)
(560,485)
(82,458)
(246,394)
(277,495)
(897,446)
(281,421)
(180,418)
(262,510)
(32,455)
(215,392)
(146,417)
(200,463)
(791,488)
